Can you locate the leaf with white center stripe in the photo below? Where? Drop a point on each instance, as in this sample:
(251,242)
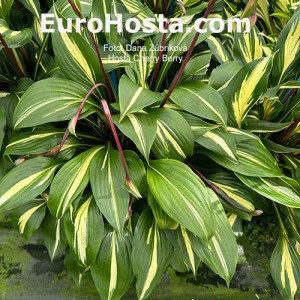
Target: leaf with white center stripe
(28,217)
(201,100)
(151,252)
(134,98)
(218,50)
(88,232)
(182,195)
(218,141)
(245,89)
(283,190)
(285,267)
(174,137)
(288,46)
(49,100)
(183,245)
(26,181)
(108,186)
(70,181)
(54,236)
(140,128)
(75,56)
(220,254)
(112,270)
(254,159)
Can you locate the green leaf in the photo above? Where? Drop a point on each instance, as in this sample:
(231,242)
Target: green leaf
(134,98)
(183,245)
(174,137)
(5,7)
(14,39)
(283,190)
(285,268)
(255,125)
(28,217)
(107,182)
(76,57)
(218,141)
(2,125)
(182,195)
(112,271)
(201,100)
(245,89)
(196,66)
(162,220)
(49,100)
(140,128)
(221,252)
(177,263)
(54,236)
(218,50)
(151,252)
(288,48)
(26,181)
(253,158)
(70,181)
(88,232)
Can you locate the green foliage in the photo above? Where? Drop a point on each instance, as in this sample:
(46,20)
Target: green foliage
(131,167)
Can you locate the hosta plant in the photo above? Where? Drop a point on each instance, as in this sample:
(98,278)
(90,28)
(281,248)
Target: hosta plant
(130,166)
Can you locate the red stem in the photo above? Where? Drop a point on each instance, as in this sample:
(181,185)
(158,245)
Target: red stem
(188,55)
(11,57)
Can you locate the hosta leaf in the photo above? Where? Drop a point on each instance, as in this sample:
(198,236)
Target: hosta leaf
(28,218)
(108,185)
(151,252)
(288,46)
(2,125)
(134,98)
(220,254)
(177,263)
(26,181)
(66,10)
(5,7)
(283,190)
(112,271)
(137,171)
(219,141)
(247,46)
(140,128)
(70,181)
(182,195)
(14,39)
(34,141)
(54,236)
(285,268)
(88,231)
(49,100)
(174,137)
(255,125)
(218,49)
(183,245)
(253,158)
(76,57)
(196,66)
(162,220)
(201,100)
(245,88)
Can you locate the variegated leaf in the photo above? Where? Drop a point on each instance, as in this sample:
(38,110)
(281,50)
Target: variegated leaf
(70,181)
(134,98)
(174,137)
(49,100)
(108,185)
(190,206)
(245,89)
(202,100)
(218,50)
(183,245)
(156,249)
(140,128)
(112,271)
(285,268)
(26,181)
(283,190)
